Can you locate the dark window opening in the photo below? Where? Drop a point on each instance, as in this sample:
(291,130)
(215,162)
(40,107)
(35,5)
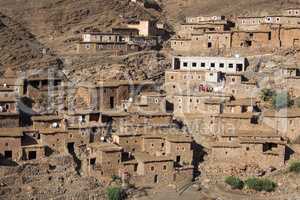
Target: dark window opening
(31,155)
(248,43)
(8,154)
(212,64)
(269,146)
(176,63)
(92,161)
(194,64)
(221,65)
(209,45)
(202,64)
(185,64)
(239,67)
(270,35)
(230,65)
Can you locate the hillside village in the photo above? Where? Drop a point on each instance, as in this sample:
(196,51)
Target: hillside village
(223,104)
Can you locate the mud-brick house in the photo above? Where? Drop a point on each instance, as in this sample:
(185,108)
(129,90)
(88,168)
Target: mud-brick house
(239,86)
(33,152)
(146,27)
(285,121)
(10,144)
(290,36)
(230,122)
(179,147)
(11,85)
(263,37)
(148,102)
(256,146)
(154,169)
(110,95)
(42,83)
(51,131)
(9,104)
(291,79)
(9,119)
(154,144)
(104,159)
(242,105)
(130,142)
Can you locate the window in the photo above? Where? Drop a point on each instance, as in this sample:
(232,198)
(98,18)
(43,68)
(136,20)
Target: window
(221,65)
(6,144)
(233,80)
(202,64)
(152,168)
(162,144)
(185,64)
(194,64)
(270,35)
(31,155)
(164,167)
(209,45)
(212,64)
(230,65)
(87,46)
(172,77)
(135,168)
(8,154)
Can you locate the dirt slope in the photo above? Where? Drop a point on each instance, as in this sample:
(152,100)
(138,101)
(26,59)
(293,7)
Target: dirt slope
(18,47)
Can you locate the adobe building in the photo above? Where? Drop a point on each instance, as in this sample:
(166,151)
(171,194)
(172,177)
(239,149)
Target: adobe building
(110,95)
(201,74)
(51,131)
(130,142)
(10,144)
(239,86)
(103,159)
(242,105)
(256,146)
(199,104)
(179,147)
(285,121)
(291,79)
(33,152)
(146,27)
(148,102)
(10,85)
(96,41)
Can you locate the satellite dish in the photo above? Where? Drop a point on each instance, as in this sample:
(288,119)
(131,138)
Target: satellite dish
(102,139)
(55,125)
(237,55)
(4,85)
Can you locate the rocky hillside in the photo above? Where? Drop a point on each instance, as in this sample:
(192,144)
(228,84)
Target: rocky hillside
(19,48)
(57,23)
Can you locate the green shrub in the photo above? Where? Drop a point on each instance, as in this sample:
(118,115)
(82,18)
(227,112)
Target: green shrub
(295,167)
(281,100)
(114,193)
(115,177)
(260,184)
(234,182)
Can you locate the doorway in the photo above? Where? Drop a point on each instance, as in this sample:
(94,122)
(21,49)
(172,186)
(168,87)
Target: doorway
(112,102)
(156,178)
(178,159)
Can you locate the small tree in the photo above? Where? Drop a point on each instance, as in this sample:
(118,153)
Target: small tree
(266,94)
(281,100)
(114,193)
(234,182)
(295,167)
